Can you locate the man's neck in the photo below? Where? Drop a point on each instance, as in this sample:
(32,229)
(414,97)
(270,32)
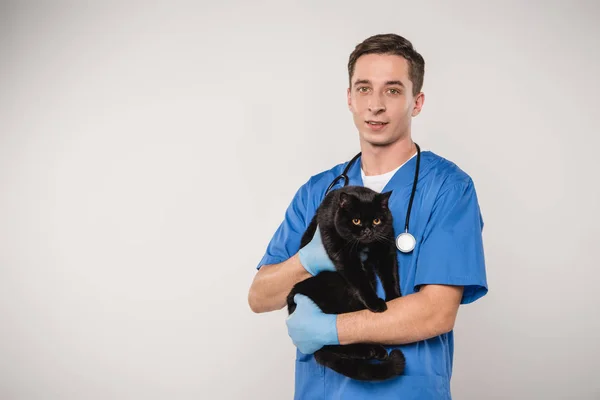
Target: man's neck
(377,160)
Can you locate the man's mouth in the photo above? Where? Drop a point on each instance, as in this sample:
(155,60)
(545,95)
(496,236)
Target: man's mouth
(376,126)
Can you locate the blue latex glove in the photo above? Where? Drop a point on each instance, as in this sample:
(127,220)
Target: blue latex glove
(313,256)
(309,327)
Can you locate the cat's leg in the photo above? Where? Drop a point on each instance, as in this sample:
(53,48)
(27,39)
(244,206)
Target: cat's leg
(387,269)
(370,273)
(359,351)
(352,271)
(363,370)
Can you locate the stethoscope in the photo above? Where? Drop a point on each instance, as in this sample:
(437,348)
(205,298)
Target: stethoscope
(405,242)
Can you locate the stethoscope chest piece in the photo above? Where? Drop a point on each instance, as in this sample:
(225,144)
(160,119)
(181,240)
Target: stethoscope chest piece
(405,242)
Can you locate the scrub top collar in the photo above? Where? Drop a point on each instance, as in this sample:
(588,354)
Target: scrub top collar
(404,176)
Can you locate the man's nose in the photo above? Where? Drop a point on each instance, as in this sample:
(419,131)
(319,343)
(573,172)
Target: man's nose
(376,105)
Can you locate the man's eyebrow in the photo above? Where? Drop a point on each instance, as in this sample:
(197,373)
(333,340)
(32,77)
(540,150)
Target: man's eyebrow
(368,82)
(362,82)
(399,83)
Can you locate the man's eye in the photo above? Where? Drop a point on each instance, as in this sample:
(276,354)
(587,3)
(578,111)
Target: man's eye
(394,91)
(363,89)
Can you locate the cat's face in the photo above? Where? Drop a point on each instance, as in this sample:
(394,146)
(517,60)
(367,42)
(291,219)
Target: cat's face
(364,220)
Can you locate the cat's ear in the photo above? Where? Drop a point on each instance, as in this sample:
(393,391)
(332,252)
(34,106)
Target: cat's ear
(344,200)
(385,197)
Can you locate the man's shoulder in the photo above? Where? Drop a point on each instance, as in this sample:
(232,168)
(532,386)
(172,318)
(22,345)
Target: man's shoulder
(447,172)
(326,176)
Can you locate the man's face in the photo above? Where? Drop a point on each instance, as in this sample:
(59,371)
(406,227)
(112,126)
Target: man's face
(382,92)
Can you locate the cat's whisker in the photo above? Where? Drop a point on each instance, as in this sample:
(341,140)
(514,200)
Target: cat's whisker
(383,239)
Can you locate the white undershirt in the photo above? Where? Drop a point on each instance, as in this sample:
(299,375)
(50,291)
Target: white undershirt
(378,182)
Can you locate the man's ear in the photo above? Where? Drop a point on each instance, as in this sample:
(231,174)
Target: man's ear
(349,99)
(419,101)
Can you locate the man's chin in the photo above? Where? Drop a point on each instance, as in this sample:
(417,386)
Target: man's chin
(377,140)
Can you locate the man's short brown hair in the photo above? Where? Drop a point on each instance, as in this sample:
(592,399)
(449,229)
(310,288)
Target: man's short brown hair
(391,43)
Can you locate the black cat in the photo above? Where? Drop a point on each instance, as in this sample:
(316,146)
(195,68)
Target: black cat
(355,224)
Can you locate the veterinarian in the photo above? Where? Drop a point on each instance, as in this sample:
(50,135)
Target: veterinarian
(446,267)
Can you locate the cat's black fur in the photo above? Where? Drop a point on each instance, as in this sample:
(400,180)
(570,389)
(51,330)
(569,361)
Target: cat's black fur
(352,286)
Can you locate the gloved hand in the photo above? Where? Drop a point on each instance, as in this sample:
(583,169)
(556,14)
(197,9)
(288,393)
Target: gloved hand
(313,256)
(310,328)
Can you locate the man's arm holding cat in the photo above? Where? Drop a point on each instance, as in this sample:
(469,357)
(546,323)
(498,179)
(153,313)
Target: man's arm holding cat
(418,316)
(422,315)
(272,283)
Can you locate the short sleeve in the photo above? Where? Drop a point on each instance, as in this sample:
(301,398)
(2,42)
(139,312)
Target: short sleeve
(286,240)
(451,252)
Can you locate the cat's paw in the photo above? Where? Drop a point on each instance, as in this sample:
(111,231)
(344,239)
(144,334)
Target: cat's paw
(392,293)
(377,306)
(392,297)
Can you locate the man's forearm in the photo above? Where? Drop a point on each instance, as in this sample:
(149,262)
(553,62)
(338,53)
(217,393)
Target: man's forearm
(273,283)
(408,319)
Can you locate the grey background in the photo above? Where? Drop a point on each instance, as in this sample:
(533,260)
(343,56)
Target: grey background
(148,151)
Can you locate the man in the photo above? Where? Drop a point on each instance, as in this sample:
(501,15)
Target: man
(445,269)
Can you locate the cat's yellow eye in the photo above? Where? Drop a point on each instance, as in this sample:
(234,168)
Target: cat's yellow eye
(376,221)
(356,221)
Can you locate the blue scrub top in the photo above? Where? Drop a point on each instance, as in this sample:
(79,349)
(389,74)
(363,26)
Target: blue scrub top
(447,224)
